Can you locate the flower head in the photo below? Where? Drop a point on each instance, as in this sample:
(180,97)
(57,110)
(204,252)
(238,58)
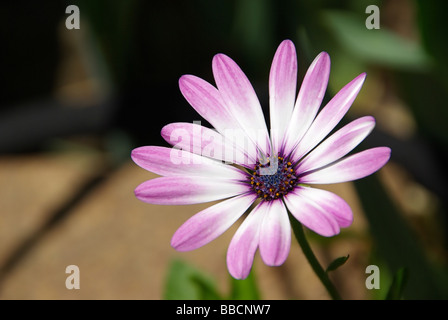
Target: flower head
(250,169)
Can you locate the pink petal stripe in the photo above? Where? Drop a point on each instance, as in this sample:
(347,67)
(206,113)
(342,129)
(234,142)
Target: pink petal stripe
(173,162)
(310,213)
(207,101)
(210,223)
(311,94)
(353,167)
(241,251)
(275,234)
(206,142)
(338,145)
(329,117)
(330,203)
(282,90)
(180,190)
(241,100)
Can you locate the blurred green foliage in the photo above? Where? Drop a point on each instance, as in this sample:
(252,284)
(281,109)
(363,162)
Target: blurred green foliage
(398,245)
(398,284)
(185,282)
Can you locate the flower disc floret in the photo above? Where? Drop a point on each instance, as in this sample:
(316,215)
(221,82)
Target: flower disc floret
(275,184)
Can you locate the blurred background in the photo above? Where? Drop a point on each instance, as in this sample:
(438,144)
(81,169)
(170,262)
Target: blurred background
(74,103)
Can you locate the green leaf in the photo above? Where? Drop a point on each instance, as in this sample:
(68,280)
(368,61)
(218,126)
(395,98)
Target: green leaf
(246,289)
(337,263)
(185,282)
(378,46)
(398,283)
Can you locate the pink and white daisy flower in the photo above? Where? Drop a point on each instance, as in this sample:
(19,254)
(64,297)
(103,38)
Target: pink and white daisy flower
(267,174)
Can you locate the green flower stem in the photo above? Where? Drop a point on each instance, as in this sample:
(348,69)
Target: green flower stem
(308,252)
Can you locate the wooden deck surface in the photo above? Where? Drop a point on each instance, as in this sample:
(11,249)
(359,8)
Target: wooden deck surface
(61,209)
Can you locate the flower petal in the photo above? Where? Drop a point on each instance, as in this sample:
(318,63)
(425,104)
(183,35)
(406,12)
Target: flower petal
(180,190)
(282,90)
(175,162)
(338,144)
(332,204)
(275,234)
(210,223)
(356,166)
(241,251)
(309,99)
(206,142)
(207,101)
(310,213)
(241,100)
(329,117)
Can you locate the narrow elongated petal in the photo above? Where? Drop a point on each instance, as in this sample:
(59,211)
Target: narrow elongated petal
(241,251)
(210,223)
(282,90)
(275,234)
(338,144)
(206,142)
(175,162)
(353,167)
(241,100)
(308,101)
(207,101)
(311,213)
(329,116)
(180,190)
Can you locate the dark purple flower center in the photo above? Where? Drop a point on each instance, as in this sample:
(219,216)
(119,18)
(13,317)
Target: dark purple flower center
(274,179)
